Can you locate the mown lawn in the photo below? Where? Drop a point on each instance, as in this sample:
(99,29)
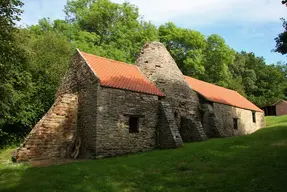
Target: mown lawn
(273,120)
(256,162)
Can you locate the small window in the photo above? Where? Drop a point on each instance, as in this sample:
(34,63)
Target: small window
(253,117)
(133,124)
(175,114)
(235,123)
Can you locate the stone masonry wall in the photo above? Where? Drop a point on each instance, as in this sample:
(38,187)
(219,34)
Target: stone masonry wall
(114,107)
(168,132)
(88,85)
(208,119)
(48,138)
(53,134)
(81,79)
(224,116)
(157,65)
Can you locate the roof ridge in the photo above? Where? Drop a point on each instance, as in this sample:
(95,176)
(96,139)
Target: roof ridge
(80,53)
(212,84)
(278,102)
(113,60)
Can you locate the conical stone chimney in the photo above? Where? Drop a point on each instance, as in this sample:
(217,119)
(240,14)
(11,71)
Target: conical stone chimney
(157,64)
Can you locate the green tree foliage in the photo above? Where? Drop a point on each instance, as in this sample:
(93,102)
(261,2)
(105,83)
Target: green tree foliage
(49,54)
(15,81)
(281,40)
(218,58)
(263,84)
(186,47)
(237,69)
(109,29)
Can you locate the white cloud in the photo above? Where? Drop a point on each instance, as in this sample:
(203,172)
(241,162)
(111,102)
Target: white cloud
(201,12)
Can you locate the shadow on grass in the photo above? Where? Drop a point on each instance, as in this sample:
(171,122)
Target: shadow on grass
(247,163)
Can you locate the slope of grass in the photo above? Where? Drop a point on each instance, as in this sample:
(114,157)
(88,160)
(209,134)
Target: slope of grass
(256,162)
(274,120)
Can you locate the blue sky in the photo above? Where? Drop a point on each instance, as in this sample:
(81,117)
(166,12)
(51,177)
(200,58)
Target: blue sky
(249,25)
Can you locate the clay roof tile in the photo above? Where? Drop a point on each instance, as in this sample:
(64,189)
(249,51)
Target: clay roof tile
(116,74)
(219,94)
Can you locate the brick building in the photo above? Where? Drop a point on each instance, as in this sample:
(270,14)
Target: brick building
(105,108)
(277,109)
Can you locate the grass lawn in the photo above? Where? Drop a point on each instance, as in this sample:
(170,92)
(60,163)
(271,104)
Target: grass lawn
(256,162)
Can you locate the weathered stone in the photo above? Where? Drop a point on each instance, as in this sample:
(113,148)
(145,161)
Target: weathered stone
(208,119)
(157,64)
(168,133)
(225,114)
(115,107)
(49,139)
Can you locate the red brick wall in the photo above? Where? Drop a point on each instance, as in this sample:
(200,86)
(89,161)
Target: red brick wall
(281,108)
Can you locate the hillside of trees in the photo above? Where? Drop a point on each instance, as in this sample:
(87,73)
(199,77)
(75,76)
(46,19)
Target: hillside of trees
(33,59)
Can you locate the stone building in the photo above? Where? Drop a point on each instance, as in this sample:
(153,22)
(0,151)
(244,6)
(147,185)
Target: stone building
(277,109)
(225,112)
(105,108)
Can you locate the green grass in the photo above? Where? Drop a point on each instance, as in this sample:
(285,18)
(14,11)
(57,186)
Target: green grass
(273,120)
(256,162)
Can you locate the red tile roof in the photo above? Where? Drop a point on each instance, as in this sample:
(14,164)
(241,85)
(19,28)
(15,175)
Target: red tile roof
(219,94)
(120,75)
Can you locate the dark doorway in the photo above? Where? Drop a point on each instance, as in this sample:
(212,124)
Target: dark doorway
(134,124)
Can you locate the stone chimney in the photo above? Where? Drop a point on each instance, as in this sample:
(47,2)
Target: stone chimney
(157,64)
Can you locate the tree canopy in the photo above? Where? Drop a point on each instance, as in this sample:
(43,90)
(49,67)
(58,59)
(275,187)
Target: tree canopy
(112,30)
(15,80)
(281,39)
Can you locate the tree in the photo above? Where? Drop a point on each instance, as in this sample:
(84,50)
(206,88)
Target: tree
(281,40)
(186,47)
(237,70)
(109,29)
(218,58)
(9,14)
(49,56)
(263,84)
(15,80)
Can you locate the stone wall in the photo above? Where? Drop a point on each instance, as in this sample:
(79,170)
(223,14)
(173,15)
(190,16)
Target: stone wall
(72,115)
(208,119)
(87,85)
(224,115)
(52,136)
(114,107)
(168,132)
(158,66)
